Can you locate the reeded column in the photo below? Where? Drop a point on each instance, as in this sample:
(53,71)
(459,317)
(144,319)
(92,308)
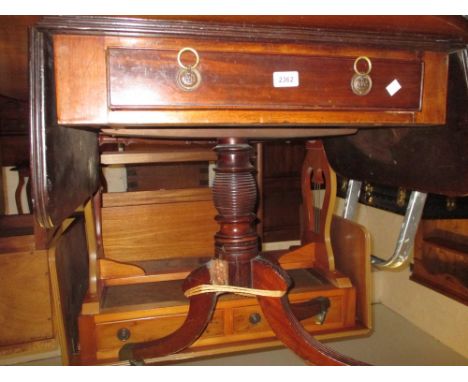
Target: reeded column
(235,197)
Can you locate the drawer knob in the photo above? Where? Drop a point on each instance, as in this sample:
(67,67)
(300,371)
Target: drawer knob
(123,334)
(255,318)
(361,82)
(188,77)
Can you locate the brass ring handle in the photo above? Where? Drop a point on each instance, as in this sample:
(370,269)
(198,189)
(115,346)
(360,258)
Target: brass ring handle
(369,65)
(191,50)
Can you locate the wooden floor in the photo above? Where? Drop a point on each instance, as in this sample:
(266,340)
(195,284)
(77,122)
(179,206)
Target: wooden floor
(395,341)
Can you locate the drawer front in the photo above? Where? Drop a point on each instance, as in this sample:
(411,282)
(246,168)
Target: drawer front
(250,319)
(148,329)
(146,79)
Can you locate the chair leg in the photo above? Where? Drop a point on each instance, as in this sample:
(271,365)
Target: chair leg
(201,308)
(282,320)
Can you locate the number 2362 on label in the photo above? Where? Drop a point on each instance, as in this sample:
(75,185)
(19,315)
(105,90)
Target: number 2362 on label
(285,79)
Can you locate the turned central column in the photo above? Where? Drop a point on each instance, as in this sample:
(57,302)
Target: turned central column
(235,198)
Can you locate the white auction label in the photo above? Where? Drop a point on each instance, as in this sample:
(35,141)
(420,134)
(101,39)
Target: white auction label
(393,87)
(285,79)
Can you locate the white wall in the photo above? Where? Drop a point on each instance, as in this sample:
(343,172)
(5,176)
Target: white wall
(10,182)
(443,318)
(116,178)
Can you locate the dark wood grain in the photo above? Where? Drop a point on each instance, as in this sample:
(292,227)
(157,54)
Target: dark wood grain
(428,159)
(236,86)
(71,262)
(441,257)
(56,151)
(145,79)
(389,31)
(235,198)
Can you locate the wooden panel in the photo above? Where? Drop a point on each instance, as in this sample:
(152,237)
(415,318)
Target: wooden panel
(167,176)
(145,79)
(171,156)
(69,263)
(121,199)
(14,58)
(25,305)
(81,57)
(16,225)
(454,226)
(335,317)
(441,257)
(14,141)
(56,151)
(17,244)
(159,231)
(282,163)
(150,329)
(351,247)
(281,201)
(14,150)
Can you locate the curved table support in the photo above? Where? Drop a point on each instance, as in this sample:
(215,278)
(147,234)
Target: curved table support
(201,308)
(284,323)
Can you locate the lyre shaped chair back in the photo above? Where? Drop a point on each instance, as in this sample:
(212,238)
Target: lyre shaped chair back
(318,198)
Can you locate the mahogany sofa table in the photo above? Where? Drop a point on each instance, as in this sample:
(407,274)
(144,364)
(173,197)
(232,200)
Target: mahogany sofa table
(233,80)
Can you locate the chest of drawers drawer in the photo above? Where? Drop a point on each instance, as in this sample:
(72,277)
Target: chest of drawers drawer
(147,79)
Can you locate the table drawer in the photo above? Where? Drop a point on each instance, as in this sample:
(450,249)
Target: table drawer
(146,79)
(148,329)
(250,319)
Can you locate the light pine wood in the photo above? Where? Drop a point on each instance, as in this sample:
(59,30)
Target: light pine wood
(150,271)
(26,313)
(159,231)
(25,303)
(352,245)
(113,269)
(122,199)
(118,273)
(91,304)
(305,255)
(193,155)
(25,352)
(316,172)
(317,211)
